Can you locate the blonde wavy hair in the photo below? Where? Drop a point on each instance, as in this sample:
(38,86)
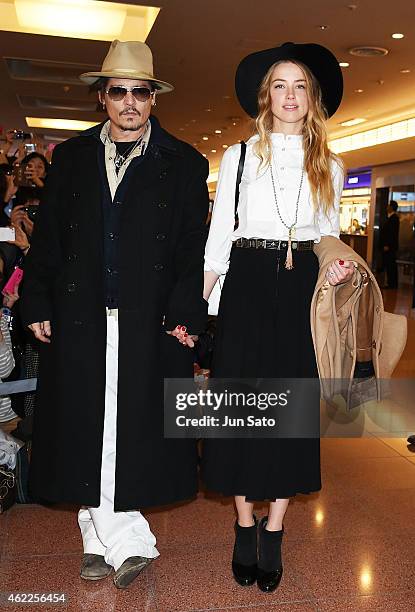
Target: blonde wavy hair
(317,155)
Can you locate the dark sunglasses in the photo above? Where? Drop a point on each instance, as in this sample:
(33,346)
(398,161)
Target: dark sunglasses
(117,93)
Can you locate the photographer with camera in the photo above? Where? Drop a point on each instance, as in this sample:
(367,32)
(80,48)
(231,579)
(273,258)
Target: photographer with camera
(13,148)
(7,191)
(31,177)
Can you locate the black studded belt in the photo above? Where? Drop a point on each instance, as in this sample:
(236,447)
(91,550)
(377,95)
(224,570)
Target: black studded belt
(262,243)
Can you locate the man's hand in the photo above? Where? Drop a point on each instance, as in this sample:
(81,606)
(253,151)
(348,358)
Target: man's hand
(339,272)
(42,331)
(183,337)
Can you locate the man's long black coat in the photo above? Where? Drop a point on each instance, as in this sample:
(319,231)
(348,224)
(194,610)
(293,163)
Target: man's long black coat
(161,244)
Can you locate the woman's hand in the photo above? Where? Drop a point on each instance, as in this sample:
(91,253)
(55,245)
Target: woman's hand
(28,225)
(32,175)
(17,215)
(20,240)
(11,187)
(19,218)
(10,299)
(183,337)
(340,272)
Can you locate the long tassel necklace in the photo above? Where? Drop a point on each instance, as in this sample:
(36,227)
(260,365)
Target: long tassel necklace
(291,228)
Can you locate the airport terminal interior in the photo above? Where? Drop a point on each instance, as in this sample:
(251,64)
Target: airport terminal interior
(350,546)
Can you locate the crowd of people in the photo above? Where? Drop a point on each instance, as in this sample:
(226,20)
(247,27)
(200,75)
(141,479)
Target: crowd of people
(23,174)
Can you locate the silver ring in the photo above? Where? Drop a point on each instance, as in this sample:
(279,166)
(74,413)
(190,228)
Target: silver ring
(331,273)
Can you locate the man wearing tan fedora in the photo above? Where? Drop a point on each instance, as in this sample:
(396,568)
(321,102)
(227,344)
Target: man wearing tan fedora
(113,290)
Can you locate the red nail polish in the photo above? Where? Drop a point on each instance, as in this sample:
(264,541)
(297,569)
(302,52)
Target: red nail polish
(183,328)
(341,262)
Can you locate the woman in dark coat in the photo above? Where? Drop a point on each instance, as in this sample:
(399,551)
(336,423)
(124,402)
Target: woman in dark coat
(289,197)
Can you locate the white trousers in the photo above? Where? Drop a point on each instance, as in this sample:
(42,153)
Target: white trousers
(115,535)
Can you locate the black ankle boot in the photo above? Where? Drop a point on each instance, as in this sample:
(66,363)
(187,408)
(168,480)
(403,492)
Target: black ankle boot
(269,558)
(244,560)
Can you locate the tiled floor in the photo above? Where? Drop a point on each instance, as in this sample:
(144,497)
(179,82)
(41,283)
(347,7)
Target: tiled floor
(349,548)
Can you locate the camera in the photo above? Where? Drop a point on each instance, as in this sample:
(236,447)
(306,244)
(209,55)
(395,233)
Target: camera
(21,135)
(29,147)
(31,211)
(20,178)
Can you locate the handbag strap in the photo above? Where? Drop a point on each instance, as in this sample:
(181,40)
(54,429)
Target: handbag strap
(238,179)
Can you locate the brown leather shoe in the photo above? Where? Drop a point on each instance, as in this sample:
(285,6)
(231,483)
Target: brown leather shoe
(129,570)
(93,567)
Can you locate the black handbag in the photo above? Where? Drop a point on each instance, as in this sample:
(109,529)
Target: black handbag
(7,488)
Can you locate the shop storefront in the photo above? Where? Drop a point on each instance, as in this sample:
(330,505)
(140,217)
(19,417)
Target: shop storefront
(394,182)
(355,210)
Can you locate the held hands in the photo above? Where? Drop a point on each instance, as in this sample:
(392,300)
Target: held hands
(339,272)
(42,331)
(182,336)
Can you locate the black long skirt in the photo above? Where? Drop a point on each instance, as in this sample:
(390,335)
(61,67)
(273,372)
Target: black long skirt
(264,331)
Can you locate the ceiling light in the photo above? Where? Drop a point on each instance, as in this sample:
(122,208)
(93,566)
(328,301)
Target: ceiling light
(218,131)
(213,151)
(205,137)
(358,90)
(59,124)
(87,19)
(405,71)
(368,51)
(224,146)
(181,129)
(398,35)
(323,27)
(204,154)
(351,122)
(207,110)
(369,138)
(344,64)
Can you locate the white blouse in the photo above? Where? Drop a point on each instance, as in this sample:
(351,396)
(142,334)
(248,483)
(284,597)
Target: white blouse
(257,211)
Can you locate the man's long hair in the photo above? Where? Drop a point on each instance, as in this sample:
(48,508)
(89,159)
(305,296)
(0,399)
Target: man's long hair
(317,155)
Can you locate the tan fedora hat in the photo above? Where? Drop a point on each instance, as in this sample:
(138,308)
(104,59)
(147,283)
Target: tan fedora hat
(128,60)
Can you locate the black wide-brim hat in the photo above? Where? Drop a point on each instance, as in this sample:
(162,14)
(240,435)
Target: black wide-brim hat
(321,62)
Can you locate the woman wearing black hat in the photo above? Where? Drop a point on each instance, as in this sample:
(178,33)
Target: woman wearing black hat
(288,199)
